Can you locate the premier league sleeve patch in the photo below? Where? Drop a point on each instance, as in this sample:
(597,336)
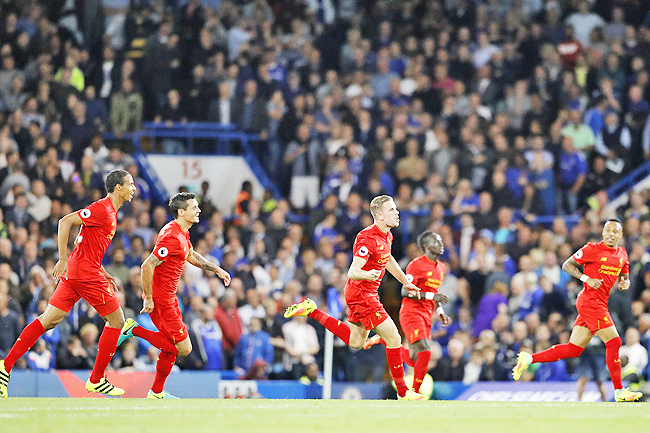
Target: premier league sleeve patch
(578,254)
(363,251)
(85,213)
(162,252)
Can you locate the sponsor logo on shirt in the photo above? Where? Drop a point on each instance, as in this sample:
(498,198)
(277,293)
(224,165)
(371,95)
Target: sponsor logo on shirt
(609,270)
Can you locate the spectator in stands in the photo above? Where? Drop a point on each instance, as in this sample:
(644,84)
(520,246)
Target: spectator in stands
(301,344)
(491,368)
(209,339)
(249,111)
(10,323)
(126,109)
(452,367)
(254,352)
(252,308)
(636,353)
(73,356)
(39,358)
(303,156)
(228,319)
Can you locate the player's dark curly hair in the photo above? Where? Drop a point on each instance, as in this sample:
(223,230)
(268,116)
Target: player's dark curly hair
(615,220)
(424,238)
(114,178)
(179,201)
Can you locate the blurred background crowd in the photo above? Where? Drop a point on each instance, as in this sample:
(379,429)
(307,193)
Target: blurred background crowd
(478,117)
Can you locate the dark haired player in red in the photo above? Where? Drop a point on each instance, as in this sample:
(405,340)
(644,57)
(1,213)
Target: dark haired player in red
(81,275)
(372,257)
(603,263)
(160,274)
(416,313)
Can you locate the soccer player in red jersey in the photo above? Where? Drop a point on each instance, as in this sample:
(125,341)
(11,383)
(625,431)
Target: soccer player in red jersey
(604,263)
(160,274)
(81,275)
(372,257)
(416,313)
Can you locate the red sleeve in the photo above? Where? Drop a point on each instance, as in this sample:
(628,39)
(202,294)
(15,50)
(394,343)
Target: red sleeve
(164,246)
(585,254)
(94,215)
(626,265)
(362,246)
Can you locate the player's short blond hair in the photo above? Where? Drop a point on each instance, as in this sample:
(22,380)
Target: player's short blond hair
(377,203)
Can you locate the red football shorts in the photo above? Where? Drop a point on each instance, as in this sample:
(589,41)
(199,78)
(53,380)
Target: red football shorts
(593,318)
(169,321)
(415,318)
(97,293)
(366,310)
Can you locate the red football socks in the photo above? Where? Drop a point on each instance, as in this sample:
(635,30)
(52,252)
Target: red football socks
(27,338)
(613,361)
(335,326)
(163,368)
(557,352)
(394,358)
(157,339)
(105,351)
(406,355)
(421,367)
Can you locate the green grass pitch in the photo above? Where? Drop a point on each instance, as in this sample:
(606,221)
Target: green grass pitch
(68,415)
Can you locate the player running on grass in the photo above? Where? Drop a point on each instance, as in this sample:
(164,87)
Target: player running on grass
(160,274)
(415,315)
(81,275)
(372,257)
(603,263)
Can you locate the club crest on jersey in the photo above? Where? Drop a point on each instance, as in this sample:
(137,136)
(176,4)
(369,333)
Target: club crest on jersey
(85,213)
(578,254)
(603,259)
(363,251)
(163,251)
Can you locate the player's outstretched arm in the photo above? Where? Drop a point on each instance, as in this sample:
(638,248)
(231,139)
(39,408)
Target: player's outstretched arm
(201,262)
(357,273)
(148,266)
(65,225)
(394,268)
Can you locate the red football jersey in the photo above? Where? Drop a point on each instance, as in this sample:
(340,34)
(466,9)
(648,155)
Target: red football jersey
(427,275)
(172,247)
(99,223)
(603,263)
(373,245)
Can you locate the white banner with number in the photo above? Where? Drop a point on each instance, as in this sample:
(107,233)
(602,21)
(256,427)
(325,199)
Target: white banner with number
(224,173)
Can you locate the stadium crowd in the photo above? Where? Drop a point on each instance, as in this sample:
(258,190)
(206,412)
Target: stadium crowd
(476,116)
